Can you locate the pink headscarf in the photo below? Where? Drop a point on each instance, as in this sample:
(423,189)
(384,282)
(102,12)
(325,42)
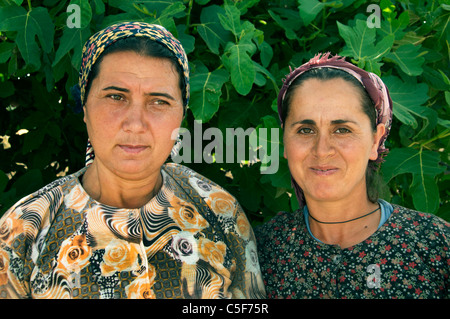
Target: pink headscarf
(374,86)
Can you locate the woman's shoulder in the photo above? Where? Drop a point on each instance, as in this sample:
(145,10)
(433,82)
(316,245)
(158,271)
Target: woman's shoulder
(414,215)
(181,172)
(187,176)
(420,223)
(50,195)
(282,219)
(34,213)
(281,222)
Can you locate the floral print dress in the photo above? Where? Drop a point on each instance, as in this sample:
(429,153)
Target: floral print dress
(192,240)
(407,257)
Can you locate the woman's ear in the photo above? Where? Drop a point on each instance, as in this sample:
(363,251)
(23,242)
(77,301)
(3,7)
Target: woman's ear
(84,113)
(381,129)
(284,148)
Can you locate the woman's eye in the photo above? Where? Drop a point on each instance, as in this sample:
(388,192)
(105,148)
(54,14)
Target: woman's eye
(160,102)
(305,130)
(115,97)
(343,130)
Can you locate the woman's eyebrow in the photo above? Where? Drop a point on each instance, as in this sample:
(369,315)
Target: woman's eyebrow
(333,122)
(306,121)
(343,122)
(162,94)
(120,89)
(116,88)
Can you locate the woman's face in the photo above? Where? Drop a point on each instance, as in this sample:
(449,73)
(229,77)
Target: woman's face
(329,140)
(133,107)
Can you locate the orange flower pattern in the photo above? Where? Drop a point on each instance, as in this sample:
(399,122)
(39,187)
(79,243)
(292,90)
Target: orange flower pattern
(192,240)
(4,262)
(74,253)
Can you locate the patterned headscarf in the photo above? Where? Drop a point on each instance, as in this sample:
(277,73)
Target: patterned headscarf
(97,43)
(373,85)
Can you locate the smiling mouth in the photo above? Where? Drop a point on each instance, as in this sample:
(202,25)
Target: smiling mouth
(324,171)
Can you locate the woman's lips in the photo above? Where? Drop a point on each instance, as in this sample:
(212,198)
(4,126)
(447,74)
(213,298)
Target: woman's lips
(133,149)
(323,171)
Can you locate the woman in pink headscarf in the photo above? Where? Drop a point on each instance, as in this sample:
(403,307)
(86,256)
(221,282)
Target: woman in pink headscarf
(346,242)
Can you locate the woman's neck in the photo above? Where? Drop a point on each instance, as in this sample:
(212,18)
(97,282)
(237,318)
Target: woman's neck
(112,190)
(341,223)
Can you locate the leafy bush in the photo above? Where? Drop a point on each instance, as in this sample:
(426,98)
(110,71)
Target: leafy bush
(239,52)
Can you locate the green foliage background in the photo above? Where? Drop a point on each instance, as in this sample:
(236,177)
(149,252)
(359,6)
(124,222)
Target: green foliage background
(239,52)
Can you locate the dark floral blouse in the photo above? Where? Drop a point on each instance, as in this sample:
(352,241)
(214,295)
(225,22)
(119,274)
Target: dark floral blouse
(407,257)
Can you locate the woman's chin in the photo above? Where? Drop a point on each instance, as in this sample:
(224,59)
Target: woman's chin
(136,171)
(324,195)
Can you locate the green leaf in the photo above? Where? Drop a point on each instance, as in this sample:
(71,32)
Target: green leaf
(291,23)
(249,190)
(273,202)
(187,40)
(243,6)
(266,54)
(12,18)
(447,97)
(168,13)
(360,44)
(158,12)
(231,19)
(425,193)
(237,57)
(85,12)
(29,182)
(6,51)
(33,140)
(29,25)
(127,6)
(99,6)
(409,58)
(234,114)
(263,72)
(6,89)
(202,2)
(210,28)
(268,136)
(424,166)
(409,160)
(443,27)
(206,89)
(390,23)
(40,24)
(72,40)
(240,65)
(282,178)
(407,105)
(309,9)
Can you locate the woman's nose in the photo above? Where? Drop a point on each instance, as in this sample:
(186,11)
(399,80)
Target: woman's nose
(135,121)
(323,146)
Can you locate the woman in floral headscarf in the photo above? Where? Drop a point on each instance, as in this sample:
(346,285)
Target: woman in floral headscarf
(128,225)
(345,242)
